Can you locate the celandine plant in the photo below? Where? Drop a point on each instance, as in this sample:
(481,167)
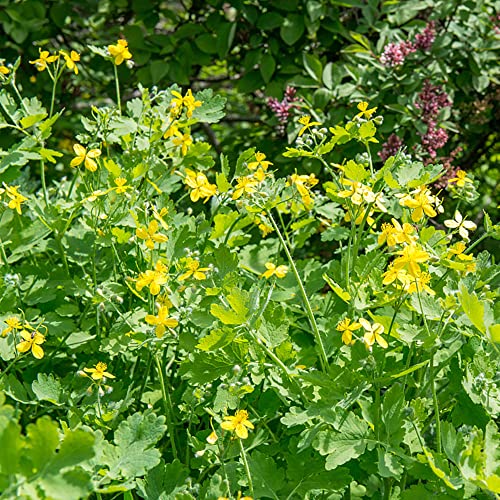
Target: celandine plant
(181,327)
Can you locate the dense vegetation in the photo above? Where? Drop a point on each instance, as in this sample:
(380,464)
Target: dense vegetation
(248,250)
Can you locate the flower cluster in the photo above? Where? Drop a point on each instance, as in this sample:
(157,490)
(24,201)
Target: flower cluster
(199,185)
(421,202)
(390,147)
(373,332)
(15,198)
(45,59)
(153,278)
(186,102)
(395,53)
(282,108)
(32,338)
(303,183)
(119,52)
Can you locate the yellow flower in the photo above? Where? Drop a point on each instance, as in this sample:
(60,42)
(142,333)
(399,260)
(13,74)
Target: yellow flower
(458,250)
(16,198)
(244,185)
(87,158)
(4,70)
(194,270)
(419,283)
(13,323)
(365,112)
(44,59)
(71,59)
(238,423)
(461,224)
(121,186)
(153,278)
(171,131)
(411,256)
(420,204)
(200,186)
(182,141)
(393,274)
(260,161)
(120,52)
(460,179)
(162,321)
(32,341)
(307,123)
(273,270)
(212,438)
(357,192)
(99,372)
(188,101)
(373,333)
(348,328)
(396,233)
(151,235)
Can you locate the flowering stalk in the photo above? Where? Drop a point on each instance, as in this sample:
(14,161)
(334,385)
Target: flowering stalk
(117,85)
(247,469)
(322,353)
(167,403)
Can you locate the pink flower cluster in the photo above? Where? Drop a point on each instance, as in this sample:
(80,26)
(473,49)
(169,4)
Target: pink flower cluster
(431,101)
(395,53)
(282,108)
(390,147)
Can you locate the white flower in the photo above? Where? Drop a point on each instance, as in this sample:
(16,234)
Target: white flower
(461,224)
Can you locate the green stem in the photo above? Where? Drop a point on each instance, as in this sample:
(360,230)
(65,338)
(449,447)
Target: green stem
(53,97)
(167,403)
(117,85)
(247,469)
(436,404)
(72,185)
(44,185)
(323,357)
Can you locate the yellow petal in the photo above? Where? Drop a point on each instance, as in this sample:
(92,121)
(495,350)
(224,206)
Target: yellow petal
(37,351)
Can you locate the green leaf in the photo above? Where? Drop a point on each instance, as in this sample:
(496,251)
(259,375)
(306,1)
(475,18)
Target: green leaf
(292,28)
(222,183)
(49,154)
(216,339)
(350,442)
(268,479)
(76,447)
(473,308)
(29,121)
(313,66)
(212,107)
(11,445)
(41,443)
(267,67)
(238,312)
(355,171)
(164,481)
(392,406)
(48,388)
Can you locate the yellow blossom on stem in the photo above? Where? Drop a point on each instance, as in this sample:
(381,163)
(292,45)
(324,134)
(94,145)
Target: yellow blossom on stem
(71,59)
(16,198)
(411,256)
(161,321)
(154,278)
(188,101)
(307,123)
(13,323)
(393,273)
(99,371)
(182,141)
(194,270)
(4,70)
(420,283)
(87,158)
(420,204)
(273,270)
(373,333)
(238,423)
(151,235)
(32,342)
(121,185)
(171,131)
(365,112)
(461,179)
(44,59)
(347,328)
(462,225)
(458,249)
(260,161)
(199,185)
(119,52)
(244,185)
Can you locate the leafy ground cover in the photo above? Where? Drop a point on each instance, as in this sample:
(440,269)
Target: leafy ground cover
(180,324)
